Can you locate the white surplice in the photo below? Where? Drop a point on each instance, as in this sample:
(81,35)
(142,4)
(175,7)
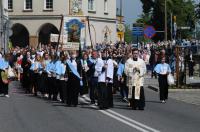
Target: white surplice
(109,72)
(135,78)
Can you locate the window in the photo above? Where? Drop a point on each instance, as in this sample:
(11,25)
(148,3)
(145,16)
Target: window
(28,5)
(105,6)
(48,4)
(91,5)
(10,4)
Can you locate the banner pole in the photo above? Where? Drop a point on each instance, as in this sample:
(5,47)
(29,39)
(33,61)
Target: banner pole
(90,32)
(60,30)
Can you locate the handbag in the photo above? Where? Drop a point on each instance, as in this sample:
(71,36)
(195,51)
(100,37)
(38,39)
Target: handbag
(170,79)
(11,73)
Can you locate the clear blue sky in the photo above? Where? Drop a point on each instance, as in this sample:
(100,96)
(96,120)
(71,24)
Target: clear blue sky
(131,10)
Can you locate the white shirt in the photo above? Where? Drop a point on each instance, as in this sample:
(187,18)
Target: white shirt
(98,70)
(74,64)
(109,72)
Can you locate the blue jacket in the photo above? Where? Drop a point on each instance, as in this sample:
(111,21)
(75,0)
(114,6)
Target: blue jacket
(3,64)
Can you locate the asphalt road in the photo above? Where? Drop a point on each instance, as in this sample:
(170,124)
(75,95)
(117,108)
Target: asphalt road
(25,113)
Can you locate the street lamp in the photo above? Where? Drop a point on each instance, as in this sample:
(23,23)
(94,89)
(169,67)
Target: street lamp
(120,20)
(165,20)
(1,24)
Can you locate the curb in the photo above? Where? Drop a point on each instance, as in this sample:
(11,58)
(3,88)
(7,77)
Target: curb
(156,89)
(184,90)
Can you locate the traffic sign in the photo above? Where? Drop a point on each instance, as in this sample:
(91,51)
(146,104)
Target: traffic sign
(137,31)
(149,32)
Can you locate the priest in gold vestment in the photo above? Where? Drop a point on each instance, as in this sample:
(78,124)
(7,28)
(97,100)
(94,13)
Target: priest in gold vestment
(135,70)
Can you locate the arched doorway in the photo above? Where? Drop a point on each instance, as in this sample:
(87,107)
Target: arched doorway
(45,31)
(93,35)
(20,35)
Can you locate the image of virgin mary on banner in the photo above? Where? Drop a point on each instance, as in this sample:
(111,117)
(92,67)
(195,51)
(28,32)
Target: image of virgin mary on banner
(73,28)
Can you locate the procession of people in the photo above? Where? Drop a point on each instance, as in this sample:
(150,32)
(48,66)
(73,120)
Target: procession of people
(60,75)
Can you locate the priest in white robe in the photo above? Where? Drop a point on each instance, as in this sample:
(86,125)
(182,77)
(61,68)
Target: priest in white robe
(104,67)
(135,70)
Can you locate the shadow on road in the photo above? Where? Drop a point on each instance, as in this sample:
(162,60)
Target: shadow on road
(151,101)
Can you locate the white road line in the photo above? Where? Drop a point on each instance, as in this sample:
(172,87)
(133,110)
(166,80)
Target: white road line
(120,119)
(128,121)
(124,121)
(133,121)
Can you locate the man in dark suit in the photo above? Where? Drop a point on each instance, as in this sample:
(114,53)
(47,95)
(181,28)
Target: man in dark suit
(93,77)
(26,64)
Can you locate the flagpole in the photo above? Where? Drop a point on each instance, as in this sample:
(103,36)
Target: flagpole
(90,32)
(121,20)
(165,20)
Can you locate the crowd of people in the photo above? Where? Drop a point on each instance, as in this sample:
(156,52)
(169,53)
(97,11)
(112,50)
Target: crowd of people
(63,76)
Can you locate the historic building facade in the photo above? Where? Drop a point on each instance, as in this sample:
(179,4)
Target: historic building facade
(34,20)
(4,26)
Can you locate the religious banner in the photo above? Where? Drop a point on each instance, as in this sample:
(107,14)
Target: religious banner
(76,7)
(72,30)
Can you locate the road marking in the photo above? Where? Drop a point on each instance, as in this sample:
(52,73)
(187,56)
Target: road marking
(133,121)
(124,121)
(121,118)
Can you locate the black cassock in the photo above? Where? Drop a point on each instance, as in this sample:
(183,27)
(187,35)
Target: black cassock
(138,103)
(26,82)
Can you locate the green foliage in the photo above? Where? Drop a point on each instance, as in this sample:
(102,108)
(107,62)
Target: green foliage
(128,34)
(154,13)
(147,5)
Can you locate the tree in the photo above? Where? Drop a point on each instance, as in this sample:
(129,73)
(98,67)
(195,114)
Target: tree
(183,9)
(128,34)
(147,5)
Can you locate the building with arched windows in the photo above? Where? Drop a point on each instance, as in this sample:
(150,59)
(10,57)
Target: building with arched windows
(34,20)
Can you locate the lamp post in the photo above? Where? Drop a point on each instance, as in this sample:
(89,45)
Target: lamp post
(1,24)
(121,20)
(165,20)
(171,26)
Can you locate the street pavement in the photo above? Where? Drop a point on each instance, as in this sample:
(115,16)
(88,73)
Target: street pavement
(25,113)
(191,96)
(154,82)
